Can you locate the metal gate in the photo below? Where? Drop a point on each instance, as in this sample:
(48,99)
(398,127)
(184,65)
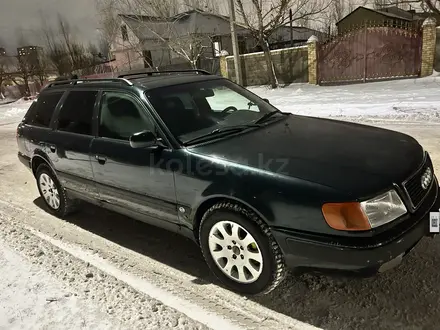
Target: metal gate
(370,53)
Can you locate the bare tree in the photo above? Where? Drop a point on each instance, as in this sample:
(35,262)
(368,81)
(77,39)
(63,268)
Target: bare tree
(4,73)
(41,68)
(379,4)
(338,9)
(153,22)
(264,18)
(63,49)
(25,70)
(211,6)
(428,6)
(55,48)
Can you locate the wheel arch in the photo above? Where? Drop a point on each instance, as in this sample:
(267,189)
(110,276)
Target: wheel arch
(210,201)
(40,158)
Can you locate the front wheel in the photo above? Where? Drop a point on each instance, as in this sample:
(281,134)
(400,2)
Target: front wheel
(240,249)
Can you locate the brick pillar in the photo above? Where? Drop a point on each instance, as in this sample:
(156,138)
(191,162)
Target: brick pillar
(312,46)
(224,64)
(428,46)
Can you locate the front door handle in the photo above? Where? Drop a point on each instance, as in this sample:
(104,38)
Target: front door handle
(101,159)
(53,148)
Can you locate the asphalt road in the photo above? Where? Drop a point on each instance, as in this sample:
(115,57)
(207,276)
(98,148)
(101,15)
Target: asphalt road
(405,298)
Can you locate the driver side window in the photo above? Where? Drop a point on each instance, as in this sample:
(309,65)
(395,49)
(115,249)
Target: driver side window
(121,116)
(224,98)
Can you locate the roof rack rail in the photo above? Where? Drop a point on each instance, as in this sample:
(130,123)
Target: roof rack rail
(80,81)
(153,73)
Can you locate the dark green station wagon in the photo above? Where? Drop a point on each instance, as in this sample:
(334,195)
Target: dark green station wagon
(259,190)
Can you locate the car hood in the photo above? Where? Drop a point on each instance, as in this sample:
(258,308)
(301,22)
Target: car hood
(356,159)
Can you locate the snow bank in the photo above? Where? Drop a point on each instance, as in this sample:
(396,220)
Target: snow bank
(31,299)
(411,99)
(13,112)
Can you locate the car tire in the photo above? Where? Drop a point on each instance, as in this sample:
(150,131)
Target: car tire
(52,193)
(228,230)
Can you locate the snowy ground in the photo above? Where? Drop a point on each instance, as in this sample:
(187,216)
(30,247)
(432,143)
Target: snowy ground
(411,99)
(146,278)
(12,112)
(32,299)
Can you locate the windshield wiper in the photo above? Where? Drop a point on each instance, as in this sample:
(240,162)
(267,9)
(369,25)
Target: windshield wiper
(267,116)
(220,130)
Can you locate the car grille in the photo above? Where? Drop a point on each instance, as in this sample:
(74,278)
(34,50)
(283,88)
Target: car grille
(414,186)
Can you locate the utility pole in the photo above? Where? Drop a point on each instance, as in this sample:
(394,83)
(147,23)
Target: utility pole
(235,49)
(291,27)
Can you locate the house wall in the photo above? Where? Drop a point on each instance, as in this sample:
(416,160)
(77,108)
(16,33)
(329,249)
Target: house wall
(290,64)
(126,59)
(197,23)
(362,15)
(126,54)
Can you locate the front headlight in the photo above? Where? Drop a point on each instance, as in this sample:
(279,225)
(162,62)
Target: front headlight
(366,215)
(383,208)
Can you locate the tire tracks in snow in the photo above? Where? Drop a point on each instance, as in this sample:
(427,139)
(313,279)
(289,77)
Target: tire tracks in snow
(208,304)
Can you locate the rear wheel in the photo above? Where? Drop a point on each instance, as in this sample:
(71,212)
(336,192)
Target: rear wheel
(240,249)
(53,194)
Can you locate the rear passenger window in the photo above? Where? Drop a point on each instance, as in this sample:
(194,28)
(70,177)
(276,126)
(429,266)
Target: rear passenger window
(40,113)
(77,112)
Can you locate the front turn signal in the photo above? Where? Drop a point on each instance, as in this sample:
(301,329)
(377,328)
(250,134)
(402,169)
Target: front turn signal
(345,216)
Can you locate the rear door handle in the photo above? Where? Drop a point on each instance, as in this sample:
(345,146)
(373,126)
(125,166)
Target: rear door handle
(101,159)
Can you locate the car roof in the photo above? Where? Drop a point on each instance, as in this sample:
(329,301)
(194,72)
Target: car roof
(143,82)
(148,83)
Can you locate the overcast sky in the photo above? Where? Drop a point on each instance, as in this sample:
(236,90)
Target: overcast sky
(25,16)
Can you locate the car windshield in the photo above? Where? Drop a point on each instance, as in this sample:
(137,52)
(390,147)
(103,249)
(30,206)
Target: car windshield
(195,109)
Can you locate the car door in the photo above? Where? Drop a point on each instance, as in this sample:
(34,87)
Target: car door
(36,125)
(70,142)
(137,180)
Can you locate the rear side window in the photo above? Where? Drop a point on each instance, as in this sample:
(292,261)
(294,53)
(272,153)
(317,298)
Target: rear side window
(41,111)
(77,112)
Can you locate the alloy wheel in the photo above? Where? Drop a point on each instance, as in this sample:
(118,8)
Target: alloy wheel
(49,191)
(235,252)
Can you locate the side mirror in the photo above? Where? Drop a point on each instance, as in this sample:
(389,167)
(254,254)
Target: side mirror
(266,100)
(145,139)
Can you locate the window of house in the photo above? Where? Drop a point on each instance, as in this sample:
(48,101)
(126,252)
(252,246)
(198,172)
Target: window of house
(217,48)
(242,45)
(41,111)
(77,112)
(124,31)
(148,60)
(121,116)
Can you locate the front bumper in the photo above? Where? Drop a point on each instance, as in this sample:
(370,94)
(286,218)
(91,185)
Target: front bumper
(366,255)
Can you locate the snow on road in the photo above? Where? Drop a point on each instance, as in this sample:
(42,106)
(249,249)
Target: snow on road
(30,298)
(410,99)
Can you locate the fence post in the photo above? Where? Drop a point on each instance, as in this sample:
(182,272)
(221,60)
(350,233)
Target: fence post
(312,59)
(224,64)
(428,46)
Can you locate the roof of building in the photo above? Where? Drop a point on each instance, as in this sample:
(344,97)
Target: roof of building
(142,26)
(392,12)
(299,32)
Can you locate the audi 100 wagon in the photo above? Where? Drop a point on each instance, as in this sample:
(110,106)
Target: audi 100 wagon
(259,190)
